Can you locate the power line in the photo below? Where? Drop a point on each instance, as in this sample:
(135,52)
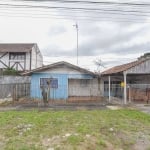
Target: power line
(81,9)
(94,12)
(108,19)
(70,15)
(70,8)
(85,17)
(94,2)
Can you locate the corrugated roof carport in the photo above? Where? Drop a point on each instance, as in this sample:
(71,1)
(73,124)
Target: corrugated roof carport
(130,71)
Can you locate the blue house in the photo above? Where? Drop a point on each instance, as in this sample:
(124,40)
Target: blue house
(63,80)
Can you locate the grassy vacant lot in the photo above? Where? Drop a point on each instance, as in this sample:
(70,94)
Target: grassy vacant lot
(75,130)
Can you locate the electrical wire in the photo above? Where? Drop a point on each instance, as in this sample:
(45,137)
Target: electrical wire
(96,12)
(81,9)
(69,15)
(92,18)
(92,2)
(69,8)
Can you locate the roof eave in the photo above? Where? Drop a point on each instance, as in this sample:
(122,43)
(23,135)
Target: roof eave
(113,74)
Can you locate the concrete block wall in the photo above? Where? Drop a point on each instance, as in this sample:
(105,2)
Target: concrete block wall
(14,79)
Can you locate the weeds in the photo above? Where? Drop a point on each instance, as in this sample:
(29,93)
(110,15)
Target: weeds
(86,130)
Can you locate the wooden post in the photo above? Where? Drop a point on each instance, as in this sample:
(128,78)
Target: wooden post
(109,88)
(125,88)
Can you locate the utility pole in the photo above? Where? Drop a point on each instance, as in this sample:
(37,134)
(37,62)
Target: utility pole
(76,26)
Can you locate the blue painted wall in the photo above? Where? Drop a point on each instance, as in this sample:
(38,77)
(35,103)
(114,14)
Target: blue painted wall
(55,93)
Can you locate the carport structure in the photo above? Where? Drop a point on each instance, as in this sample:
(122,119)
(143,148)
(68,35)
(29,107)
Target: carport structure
(137,72)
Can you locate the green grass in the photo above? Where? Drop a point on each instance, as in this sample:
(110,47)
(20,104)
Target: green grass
(71,130)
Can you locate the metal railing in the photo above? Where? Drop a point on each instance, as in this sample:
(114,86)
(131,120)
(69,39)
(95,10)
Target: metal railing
(135,92)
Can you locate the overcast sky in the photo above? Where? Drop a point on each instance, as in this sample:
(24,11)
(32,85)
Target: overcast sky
(107,35)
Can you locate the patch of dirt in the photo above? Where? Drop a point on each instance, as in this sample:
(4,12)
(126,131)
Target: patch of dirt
(142,142)
(22,128)
(141,145)
(2,142)
(55,140)
(50,142)
(89,142)
(92,142)
(114,107)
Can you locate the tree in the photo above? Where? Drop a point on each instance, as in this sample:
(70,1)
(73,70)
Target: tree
(98,62)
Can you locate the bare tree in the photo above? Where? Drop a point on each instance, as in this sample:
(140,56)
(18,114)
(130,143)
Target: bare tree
(98,62)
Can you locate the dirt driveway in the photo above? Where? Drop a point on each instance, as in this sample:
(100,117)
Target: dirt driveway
(75,106)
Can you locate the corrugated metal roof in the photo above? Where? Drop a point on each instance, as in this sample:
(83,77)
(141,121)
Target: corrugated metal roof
(55,65)
(122,68)
(16,47)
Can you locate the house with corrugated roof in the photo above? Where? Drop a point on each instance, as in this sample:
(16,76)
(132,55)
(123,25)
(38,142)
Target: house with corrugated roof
(129,81)
(20,56)
(63,81)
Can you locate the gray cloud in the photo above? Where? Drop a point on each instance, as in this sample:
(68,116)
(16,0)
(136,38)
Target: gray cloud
(112,41)
(111,35)
(103,39)
(139,48)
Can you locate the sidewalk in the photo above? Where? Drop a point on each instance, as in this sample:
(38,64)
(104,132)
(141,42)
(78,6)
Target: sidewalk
(67,106)
(143,107)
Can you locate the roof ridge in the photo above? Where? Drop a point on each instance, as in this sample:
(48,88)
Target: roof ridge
(16,47)
(17,43)
(58,63)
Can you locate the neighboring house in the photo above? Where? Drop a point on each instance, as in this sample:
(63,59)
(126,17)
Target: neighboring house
(63,80)
(128,81)
(20,56)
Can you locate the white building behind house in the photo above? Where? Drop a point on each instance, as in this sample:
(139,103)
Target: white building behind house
(20,56)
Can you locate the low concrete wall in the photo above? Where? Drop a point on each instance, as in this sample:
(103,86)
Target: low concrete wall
(14,79)
(14,87)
